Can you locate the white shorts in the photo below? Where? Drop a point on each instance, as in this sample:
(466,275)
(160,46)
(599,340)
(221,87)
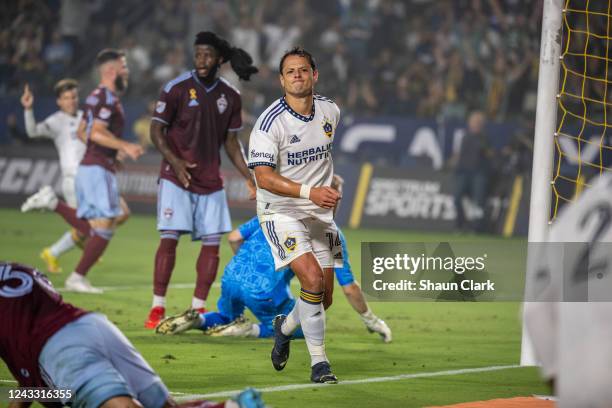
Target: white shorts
(289,238)
(69,191)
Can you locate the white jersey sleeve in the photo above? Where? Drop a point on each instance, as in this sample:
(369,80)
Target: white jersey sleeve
(42,129)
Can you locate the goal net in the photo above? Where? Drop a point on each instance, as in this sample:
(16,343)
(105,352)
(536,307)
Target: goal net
(583,137)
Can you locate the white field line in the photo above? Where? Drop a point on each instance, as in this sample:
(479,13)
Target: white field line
(221,394)
(291,387)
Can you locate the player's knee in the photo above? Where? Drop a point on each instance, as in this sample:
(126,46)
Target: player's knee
(312,281)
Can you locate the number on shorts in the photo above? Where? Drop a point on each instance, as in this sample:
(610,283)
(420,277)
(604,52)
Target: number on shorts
(334,240)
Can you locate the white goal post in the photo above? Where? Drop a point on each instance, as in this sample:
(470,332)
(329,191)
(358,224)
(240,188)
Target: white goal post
(543,149)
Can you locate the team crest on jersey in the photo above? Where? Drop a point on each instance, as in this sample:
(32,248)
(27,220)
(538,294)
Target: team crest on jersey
(160,107)
(327,127)
(193,97)
(25,373)
(104,113)
(222,104)
(290,243)
(168,213)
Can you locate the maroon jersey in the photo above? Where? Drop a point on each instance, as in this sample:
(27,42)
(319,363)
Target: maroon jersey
(103,105)
(198,119)
(31,311)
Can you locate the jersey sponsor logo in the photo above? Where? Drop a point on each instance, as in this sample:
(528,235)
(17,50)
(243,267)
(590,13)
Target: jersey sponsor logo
(309,155)
(222,104)
(262,155)
(104,113)
(294,139)
(290,243)
(168,213)
(92,100)
(193,102)
(160,107)
(327,127)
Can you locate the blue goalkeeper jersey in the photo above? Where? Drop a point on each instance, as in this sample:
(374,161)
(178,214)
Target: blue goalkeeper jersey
(252,268)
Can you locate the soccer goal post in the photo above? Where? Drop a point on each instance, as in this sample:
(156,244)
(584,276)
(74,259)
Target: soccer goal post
(543,148)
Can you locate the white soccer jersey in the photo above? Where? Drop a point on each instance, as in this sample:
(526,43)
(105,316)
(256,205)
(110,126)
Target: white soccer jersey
(62,128)
(298,148)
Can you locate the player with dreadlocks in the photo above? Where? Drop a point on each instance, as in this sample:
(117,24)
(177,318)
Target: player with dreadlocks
(196,114)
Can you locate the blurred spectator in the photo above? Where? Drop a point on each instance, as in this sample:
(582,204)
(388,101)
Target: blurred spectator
(57,55)
(472,166)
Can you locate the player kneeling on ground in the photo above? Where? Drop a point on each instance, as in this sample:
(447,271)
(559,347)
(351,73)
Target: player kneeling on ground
(48,343)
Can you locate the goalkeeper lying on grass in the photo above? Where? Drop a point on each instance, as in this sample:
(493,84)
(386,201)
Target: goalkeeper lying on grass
(250,281)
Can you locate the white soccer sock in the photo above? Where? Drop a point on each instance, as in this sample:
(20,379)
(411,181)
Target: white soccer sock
(197,303)
(312,318)
(62,245)
(292,321)
(76,277)
(368,316)
(159,301)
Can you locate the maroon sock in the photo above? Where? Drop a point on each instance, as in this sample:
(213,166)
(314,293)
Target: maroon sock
(207,265)
(164,264)
(69,214)
(96,244)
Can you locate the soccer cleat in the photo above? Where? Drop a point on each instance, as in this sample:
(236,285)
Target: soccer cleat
(241,327)
(50,261)
(249,398)
(280,351)
(379,326)
(156,314)
(43,199)
(81,285)
(321,373)
(187,320)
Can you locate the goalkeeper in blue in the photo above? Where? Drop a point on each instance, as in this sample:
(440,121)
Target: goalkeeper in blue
(250,281)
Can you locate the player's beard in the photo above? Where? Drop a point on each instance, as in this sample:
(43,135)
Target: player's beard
(212,75)
(120,84)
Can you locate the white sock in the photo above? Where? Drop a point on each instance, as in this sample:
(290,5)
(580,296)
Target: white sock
(62,245)
(159,301)
(312,318)
(292,321)
(368,316)
(197,303)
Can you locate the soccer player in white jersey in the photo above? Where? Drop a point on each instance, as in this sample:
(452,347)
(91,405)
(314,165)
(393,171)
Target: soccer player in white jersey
(61,127)
(570,323)
(290,152)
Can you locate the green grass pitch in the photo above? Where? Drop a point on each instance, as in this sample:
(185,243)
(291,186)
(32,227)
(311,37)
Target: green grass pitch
(427,337)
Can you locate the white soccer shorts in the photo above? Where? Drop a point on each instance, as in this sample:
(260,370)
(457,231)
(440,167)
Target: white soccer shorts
(289,238)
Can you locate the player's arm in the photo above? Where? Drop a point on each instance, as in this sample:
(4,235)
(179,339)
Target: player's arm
(181,167)
(235,240)
(270,180)
(102,136)
(235,152)
(20,404)
(33,129)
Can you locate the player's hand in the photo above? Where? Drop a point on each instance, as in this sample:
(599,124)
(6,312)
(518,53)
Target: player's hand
(252,189)
(181,169)
(325,197)
(132,150)
(27,98)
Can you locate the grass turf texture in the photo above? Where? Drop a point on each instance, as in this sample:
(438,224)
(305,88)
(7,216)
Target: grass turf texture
(427,337)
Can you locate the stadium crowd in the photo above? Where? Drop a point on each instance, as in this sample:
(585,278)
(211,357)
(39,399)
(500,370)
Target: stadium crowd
(418,58)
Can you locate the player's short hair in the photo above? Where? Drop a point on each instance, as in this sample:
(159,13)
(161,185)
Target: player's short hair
(299,51)
(66,84)
(108,54)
